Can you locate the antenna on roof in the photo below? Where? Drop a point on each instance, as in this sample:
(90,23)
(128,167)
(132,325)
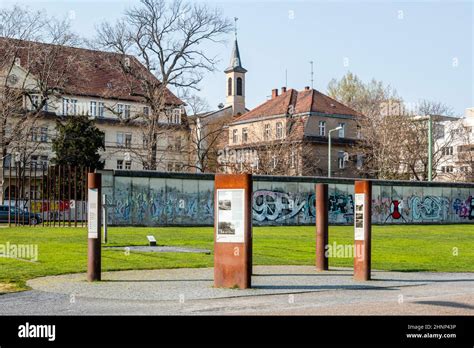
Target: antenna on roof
(235,27)
(312,73)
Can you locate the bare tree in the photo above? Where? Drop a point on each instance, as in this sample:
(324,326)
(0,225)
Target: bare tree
(206,130)
(381,128)
(32,76)
(168,38)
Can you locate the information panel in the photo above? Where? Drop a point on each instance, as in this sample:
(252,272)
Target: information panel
(93,213)
(359,221)
(230,216)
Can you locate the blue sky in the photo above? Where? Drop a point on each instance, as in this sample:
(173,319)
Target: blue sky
(424,49)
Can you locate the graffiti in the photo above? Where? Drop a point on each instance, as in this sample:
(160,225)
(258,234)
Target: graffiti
(155,203)
(464,209)
(341,208)
(395,210)
(429,208)
(299,207)
(167,206)
(280,206)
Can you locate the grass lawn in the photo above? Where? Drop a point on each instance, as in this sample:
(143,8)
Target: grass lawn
(397,248)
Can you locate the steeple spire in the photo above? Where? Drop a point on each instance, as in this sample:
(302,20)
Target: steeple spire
(235,79)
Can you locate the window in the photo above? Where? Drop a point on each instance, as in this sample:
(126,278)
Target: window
(44,161)
(275,162)
(93,108)
(119,164)
(342,130)
(239,86)
(128,165)
(341,160)
(120,109)
(44,134)
(34,102)
(128,140)
(101,109)
(146,110)
(235,136)
(126,112)
(177,143)
(177,116)
(73,107)
(229,86)
(293,159)
(322,128)
(359,132)
(279,130)
(34,161)
(7,160)
(65,106)
(170,166)
(34,133)
(245,135)
(120,139)
(360,161)
(447,151)
(267,132)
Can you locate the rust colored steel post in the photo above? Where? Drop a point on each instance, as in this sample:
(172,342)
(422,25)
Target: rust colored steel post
(362,229)
(93,227)
(322,223)
(233,231)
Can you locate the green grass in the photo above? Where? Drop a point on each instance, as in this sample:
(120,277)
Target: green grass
(400,248)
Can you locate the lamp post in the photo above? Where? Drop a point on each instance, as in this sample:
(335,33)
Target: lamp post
(329,149)
(430,148)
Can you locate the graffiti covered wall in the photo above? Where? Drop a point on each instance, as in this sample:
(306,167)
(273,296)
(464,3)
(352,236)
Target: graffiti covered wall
(188,200)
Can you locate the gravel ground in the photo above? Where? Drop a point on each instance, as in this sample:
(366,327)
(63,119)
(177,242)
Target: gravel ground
(276,290)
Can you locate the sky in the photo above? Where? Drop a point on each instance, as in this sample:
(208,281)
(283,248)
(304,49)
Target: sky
(424,49)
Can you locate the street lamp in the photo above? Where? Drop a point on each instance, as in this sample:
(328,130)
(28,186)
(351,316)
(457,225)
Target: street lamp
(329,149)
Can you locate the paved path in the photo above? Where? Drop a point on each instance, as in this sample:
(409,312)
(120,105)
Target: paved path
(284,290)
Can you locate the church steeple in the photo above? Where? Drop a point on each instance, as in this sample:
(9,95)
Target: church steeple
(235,78)
(235,62)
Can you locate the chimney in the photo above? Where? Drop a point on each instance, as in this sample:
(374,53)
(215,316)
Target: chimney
(274,93)
(283,90)
(306,88)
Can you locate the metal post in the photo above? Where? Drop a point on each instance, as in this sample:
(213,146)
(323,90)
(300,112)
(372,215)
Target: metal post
(329,155)
(321,226)
(233,213)
(430,148)
(69,193)
(42,194)
(362,229)
(104,216)
(93,226)
(75,196)
(10,192)
(31,191)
